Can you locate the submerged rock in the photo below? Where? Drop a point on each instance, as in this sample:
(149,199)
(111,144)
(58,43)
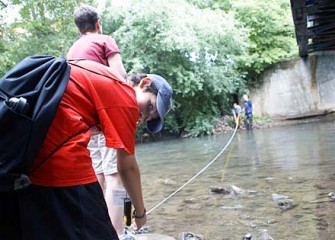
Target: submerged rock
(248,236)
(220,190)
(240,192)
(235,207)
(145,233)
(332,196)
(283,201)
(233,191)
(190,200)
(264,235)
(190,236)
(286,204)
(153,236)
(276,197)
(169,182)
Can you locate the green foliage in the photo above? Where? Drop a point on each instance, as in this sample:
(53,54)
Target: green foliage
(197,51)
(224,5)
(271,38)
(261,119)
(42,27)
(271,29)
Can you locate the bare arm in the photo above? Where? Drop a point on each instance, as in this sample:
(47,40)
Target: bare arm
(234,114)
(115,62)
(130,176)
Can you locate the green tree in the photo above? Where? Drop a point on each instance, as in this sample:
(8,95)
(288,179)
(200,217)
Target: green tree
(271,38)
(42,27)
(3,43)
(223,5)
(198,50)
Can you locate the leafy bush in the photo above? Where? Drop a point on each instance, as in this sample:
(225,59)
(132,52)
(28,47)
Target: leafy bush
(197,50)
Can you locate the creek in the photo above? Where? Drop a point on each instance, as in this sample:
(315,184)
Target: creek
(296,162)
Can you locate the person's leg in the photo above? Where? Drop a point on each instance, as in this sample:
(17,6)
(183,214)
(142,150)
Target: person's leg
(245,120)
(250,120)
(102,181)
(114,192)
(114,196)
(76,213)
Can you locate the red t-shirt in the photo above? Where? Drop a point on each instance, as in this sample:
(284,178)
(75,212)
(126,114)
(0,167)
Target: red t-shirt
(89,99)
(95,47)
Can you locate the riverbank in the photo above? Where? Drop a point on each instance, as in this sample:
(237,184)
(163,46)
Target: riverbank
(225,124)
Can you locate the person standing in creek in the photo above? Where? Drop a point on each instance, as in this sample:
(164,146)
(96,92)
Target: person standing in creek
(248,109)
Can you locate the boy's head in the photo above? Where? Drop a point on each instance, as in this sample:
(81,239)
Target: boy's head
(87,19)
(163,103)
(154,96)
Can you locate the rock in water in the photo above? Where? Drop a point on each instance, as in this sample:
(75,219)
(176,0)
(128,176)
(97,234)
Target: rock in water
(153,236)
(190,236)
(219,190)
(286,204)
(264,235)
(276,197)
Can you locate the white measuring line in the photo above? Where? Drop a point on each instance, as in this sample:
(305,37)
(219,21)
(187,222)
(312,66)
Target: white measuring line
(196,175)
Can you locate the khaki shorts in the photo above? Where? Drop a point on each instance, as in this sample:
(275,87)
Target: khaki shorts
(103,158)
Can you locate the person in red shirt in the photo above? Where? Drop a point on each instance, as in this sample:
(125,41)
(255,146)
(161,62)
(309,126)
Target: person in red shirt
(65,200)
(95,46)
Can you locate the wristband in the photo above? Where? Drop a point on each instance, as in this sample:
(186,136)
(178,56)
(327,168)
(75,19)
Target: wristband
(139,217)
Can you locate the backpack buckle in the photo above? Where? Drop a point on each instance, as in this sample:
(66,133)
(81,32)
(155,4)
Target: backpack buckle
(21,182)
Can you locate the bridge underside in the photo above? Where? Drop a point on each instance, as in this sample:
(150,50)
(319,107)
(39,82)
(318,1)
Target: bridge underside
(314,22)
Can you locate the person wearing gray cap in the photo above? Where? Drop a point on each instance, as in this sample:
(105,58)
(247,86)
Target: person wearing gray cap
(65,200)
(160,87)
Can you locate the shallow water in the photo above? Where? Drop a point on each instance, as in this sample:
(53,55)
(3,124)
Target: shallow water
(294,161)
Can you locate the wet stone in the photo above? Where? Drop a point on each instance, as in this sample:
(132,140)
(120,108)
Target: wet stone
(220,190)
(286,204)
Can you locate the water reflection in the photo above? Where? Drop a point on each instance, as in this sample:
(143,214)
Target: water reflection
(295,161)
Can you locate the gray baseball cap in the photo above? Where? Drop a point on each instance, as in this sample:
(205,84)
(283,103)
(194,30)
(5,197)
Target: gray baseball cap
(163,103)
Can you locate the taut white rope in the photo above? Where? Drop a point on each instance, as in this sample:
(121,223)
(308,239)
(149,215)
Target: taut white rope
(196,175)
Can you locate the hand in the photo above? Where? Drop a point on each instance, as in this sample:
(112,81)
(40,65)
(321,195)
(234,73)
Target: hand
(138,223)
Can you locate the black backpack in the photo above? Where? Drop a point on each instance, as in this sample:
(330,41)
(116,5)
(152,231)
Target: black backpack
(29,97)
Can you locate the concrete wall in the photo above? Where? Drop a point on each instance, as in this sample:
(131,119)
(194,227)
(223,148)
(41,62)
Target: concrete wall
(297,88)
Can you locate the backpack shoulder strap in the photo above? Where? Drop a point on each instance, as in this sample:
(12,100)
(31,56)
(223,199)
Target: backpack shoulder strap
(59,146)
